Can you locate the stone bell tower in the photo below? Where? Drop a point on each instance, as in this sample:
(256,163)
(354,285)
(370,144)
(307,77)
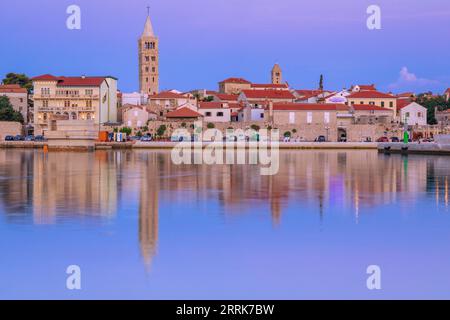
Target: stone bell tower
(148,45)
(277,76)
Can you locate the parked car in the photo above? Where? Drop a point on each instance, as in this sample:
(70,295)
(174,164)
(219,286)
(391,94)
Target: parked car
(395,139)
(19,138)
(321,139)
(146,138)
(29,138)
(9,138)
(39,139)
(383,139)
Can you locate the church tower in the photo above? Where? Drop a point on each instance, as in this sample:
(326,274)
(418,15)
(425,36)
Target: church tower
(277,76)
(148,60)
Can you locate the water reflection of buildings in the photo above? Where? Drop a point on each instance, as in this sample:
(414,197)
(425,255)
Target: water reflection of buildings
(73,184)
(42,187)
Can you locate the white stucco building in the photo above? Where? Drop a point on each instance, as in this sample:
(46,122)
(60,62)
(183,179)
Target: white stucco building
(413,114)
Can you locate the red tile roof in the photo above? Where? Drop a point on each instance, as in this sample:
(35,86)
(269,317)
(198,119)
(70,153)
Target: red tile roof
(368,107)
(308,92)
(227,97)
(167,95)
(401,103)
(212,105)
(184,112)
(309,106)
(12,88)
(268,94)
(367,87)
(236,80)
(370,94)
(447,91)
(72,81)
(270,86)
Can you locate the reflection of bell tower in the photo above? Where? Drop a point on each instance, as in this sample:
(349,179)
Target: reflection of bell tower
(148,209)
(148,60)
(277,75)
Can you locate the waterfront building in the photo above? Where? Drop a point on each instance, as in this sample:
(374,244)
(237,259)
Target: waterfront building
(168,101)
(18,97)
(372,97)
(76,98)
(148,49)
(215,111)
(136,116)
(411,113)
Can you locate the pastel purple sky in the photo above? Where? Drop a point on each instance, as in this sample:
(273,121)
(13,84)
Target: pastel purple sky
(205,41)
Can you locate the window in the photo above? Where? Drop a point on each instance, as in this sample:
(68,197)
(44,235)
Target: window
(291,117)
(66,103)
(419,114)
(219,114)
(362,102)
(326,117)
(309,117)
(407,114)
(21,100)
(382,104)
(45,91)
(153,58)
(89,103)
(353,102)
(391,105)
(45,103)
(153,69)
(89,92)
(146,79)
(208,114)
(261,115)
(146,69)
(147,58)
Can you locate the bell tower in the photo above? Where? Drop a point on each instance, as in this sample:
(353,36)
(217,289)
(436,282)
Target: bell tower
(277,76)
(148,45)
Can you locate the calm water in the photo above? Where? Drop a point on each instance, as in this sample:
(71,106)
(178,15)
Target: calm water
(140,227)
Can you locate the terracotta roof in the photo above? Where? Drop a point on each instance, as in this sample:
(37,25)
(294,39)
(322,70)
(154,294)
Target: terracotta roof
(227,97)
(308,92)
(12,88)
(167,95)
(368,107)
(447,91)
(183,113)
(370,94)
(268,94)
(401,103)
(367,87)
(212,105)
(270,85)
(236,80)
(309,106)
(406,95)
(72,81)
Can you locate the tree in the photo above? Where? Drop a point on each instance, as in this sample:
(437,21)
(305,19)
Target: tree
(7,113)
(161,130)
(254,127)
(126,130)
(210,125)
(431,103)
(20,79)
(321,82)
(208,99)
(287,134)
